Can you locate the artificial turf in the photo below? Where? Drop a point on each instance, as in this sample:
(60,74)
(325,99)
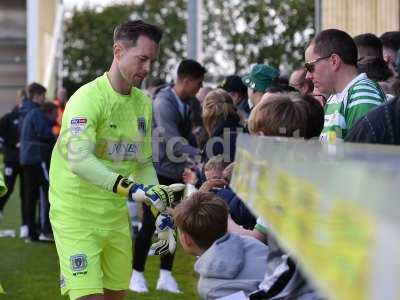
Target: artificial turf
(29,271)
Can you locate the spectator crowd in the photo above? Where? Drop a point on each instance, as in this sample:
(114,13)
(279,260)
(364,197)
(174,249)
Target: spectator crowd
(348,90)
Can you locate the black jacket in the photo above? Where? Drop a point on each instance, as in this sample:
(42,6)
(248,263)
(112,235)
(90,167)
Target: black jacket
(37,139)
(379,126)
(223,139)
(9,133)
(26,106)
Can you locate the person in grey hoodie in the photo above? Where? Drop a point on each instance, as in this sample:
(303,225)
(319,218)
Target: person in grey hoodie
(227,263)
(172,135)
(173,141)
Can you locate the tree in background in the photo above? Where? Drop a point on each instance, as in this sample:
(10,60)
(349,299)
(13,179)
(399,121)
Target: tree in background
(88,44)
(236,34)
(257,31)
(88,38)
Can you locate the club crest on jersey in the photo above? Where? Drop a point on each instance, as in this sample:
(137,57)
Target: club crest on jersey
(78,262)
(78,125)
(141,123)
(62,281)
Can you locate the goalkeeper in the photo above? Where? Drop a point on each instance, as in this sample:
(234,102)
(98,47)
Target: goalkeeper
(102,158)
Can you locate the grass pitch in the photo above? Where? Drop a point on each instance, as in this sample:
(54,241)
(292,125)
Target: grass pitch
(30,271)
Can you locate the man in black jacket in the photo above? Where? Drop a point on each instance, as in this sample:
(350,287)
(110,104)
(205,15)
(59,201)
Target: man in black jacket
(37,141)
(379,126)
(235,87)
(9,135)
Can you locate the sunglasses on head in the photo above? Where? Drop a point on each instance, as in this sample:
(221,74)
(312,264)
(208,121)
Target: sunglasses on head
(310,66)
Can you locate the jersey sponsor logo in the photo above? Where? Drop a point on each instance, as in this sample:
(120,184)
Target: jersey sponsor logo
(78,125)
(78,263)
(123,150)
(141,125)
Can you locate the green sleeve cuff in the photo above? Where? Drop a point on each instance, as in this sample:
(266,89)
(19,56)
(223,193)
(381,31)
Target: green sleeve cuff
(261,228)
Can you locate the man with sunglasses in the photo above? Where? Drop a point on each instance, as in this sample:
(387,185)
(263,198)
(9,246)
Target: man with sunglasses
(331,63)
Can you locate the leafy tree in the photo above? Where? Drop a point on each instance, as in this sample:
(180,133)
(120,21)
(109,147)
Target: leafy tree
(88,38)
(235,34)
(257,31)
(88,43)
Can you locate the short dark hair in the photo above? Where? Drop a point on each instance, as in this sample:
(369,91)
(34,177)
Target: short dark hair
(368,45)
(315,122)
(335,41)
(35,89)
(190,68)
(280,88)
(131,30)
(280,85)
(391,40)
(204,217)
(48,107)
(375,68)
(234,83)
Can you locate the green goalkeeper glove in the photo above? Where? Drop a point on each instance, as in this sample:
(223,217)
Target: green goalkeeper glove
(157,196)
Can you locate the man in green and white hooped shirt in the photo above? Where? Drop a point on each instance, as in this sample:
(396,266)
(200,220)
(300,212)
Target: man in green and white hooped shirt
(331,63)
(102,158)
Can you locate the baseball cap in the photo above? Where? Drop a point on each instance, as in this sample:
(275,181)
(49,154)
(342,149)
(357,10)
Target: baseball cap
(233,83)
(260,77)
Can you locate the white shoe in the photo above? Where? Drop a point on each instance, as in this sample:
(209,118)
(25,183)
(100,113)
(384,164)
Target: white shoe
(138,283)
(23,231)
(166,282)
(46,237)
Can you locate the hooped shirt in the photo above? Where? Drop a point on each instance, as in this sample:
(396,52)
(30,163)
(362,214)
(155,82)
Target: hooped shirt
(343,109)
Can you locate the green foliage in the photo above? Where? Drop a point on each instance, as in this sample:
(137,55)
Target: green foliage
(258,31)
(88,43)
(88,38)
(235,35)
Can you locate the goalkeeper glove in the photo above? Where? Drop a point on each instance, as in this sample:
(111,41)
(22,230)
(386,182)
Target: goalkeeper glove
(166,234)
(158,196)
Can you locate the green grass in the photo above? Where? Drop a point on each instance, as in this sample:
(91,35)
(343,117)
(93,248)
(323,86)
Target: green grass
(30,271)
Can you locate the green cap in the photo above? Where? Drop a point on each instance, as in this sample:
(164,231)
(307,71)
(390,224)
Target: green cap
(260,77)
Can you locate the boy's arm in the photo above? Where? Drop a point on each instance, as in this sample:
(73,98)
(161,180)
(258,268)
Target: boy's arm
(256,233)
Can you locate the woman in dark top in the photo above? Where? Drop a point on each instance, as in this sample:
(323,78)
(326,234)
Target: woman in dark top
(222,124)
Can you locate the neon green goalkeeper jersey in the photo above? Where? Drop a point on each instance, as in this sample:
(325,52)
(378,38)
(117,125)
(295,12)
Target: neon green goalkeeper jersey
(104,134)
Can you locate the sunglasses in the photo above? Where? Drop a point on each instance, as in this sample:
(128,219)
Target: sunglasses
(310,66)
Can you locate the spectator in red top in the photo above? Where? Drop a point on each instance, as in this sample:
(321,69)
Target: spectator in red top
(59,102)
